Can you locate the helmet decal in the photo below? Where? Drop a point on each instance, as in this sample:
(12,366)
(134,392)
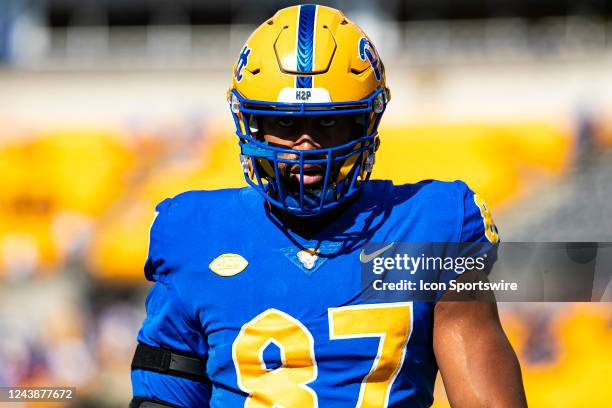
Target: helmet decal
(367,51)
(243,59)
(305,44)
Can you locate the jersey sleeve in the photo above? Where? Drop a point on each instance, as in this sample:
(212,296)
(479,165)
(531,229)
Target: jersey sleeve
(476,244)
(479,235)
(168,325)
(478,224)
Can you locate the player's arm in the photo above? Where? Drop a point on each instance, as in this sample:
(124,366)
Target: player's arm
(168,368)
(476,361)
(169,362)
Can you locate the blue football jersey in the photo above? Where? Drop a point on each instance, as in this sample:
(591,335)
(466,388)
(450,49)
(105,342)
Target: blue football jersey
(279,320)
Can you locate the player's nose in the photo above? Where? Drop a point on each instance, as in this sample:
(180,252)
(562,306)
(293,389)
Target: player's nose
(306,142)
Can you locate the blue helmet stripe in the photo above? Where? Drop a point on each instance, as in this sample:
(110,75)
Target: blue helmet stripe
(305,44)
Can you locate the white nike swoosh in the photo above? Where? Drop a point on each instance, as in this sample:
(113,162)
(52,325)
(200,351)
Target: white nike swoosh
(367,258)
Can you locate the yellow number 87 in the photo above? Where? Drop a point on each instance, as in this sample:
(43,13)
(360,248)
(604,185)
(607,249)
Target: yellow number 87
(287,386)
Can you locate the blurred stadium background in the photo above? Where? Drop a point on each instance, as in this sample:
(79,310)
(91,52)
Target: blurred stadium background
(108,106)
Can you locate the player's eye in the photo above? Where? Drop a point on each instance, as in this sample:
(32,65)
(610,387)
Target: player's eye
(327,121)
(285,122)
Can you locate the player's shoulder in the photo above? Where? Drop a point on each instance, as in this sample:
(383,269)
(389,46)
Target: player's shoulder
(184,224)
(432,186)
(197,203)
(452,205)
(442,193)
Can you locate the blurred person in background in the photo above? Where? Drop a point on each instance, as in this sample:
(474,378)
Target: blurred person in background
(231,322)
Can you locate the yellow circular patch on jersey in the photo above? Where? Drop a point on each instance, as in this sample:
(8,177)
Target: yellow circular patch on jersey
(228,264)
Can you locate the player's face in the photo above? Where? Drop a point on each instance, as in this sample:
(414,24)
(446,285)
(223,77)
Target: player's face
(307,133)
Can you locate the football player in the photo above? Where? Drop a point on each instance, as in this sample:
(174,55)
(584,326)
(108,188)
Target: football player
(257,295)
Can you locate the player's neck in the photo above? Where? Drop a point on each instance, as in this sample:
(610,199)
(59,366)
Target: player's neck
(308,227)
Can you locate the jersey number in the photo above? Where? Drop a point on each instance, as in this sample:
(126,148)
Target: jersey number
(287,385)
(487,219)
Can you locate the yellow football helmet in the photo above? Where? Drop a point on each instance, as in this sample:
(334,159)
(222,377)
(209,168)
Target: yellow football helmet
(308,60)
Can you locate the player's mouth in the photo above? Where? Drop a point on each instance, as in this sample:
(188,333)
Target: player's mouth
(313,174)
